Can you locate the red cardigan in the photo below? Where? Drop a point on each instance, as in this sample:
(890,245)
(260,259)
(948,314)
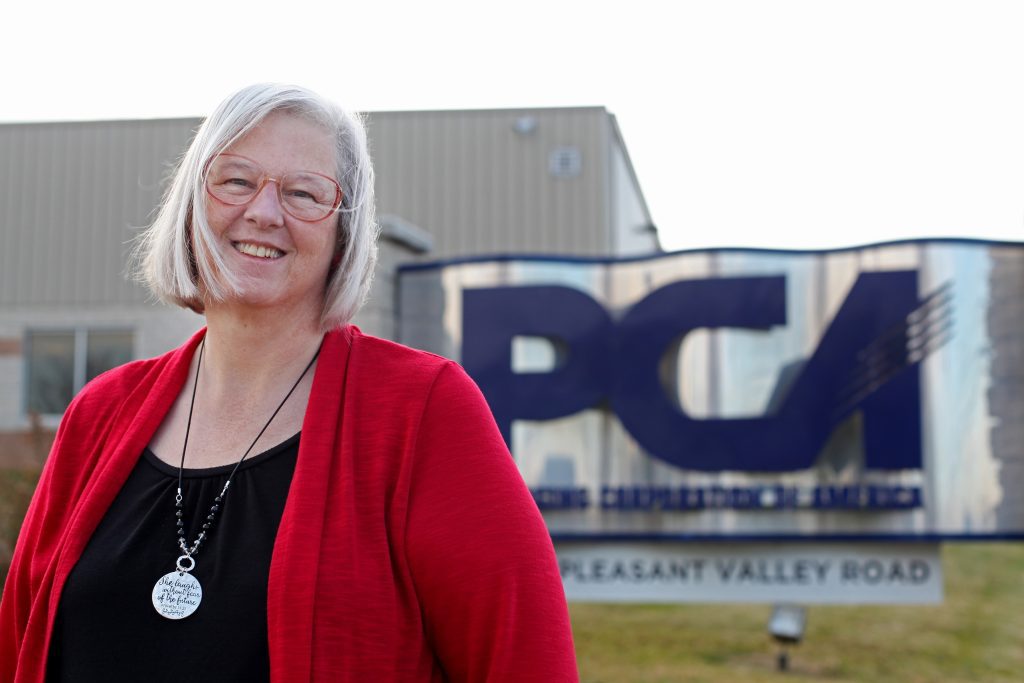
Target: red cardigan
(409,548)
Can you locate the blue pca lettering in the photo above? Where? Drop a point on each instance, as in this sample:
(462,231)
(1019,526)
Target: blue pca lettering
(863,362)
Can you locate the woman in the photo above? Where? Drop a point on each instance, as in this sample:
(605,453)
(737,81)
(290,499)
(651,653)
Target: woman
(282,498)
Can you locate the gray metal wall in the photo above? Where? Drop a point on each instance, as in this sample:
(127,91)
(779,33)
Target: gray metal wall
(478,185)
(74,194)
(72,197)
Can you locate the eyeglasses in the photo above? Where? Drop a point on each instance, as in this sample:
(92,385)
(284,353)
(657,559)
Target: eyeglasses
(305,195)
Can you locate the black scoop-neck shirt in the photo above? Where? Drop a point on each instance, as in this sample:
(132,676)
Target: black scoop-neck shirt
(107,628)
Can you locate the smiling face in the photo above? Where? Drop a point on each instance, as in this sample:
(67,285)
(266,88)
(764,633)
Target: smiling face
(281,262)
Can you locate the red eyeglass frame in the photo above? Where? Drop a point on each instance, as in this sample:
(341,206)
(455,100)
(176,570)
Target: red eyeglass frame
(265,178)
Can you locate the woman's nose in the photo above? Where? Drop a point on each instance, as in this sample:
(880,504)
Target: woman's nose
(266,207)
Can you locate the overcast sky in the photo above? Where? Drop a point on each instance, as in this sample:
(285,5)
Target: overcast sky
(790,124)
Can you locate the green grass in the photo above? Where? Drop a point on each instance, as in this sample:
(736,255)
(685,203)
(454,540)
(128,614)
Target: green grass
(977,634)
(16,486)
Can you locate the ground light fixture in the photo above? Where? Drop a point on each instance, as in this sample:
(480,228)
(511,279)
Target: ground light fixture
(786,626)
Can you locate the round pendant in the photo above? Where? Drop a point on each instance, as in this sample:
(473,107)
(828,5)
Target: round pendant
(177,595)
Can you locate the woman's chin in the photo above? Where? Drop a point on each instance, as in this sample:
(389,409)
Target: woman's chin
(267,301)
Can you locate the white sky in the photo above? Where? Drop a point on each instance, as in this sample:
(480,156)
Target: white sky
(771,123)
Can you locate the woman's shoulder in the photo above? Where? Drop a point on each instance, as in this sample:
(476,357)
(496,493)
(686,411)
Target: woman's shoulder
(411,372)
(106,392)
(119,382)
(399,360)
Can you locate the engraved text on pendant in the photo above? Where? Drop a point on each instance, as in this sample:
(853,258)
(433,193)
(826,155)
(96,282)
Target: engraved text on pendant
(177,595)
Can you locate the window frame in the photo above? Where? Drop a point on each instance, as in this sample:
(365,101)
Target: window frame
(79,357)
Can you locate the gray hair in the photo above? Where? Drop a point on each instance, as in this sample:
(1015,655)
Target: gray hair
(164,253)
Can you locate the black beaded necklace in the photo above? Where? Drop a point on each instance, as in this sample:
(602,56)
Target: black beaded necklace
(177,594)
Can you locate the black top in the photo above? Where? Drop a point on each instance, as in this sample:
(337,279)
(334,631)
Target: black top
(107,628)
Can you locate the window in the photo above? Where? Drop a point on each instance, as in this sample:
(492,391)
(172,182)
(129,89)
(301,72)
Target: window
(60,362)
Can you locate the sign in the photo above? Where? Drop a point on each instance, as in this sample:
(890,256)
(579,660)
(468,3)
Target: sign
(752,573)
(849,396)
(863,363)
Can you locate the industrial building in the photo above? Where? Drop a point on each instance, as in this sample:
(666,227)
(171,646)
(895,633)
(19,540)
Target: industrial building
(450,184)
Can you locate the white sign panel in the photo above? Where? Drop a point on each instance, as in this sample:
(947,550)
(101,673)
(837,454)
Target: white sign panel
(799,573)
(870,394)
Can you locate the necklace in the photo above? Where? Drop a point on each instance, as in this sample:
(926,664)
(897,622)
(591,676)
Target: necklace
(177,594)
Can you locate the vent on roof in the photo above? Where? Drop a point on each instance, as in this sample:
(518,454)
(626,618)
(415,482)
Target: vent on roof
(565,162)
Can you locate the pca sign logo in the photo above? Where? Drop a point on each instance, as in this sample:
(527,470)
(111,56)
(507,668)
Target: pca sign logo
(866,361)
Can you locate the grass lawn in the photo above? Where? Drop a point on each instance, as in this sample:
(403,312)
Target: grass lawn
(977,634)
(16,486)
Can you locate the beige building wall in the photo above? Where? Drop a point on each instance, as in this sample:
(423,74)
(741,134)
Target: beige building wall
(154,328)
(74,195)
(72,198)
(481,182)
